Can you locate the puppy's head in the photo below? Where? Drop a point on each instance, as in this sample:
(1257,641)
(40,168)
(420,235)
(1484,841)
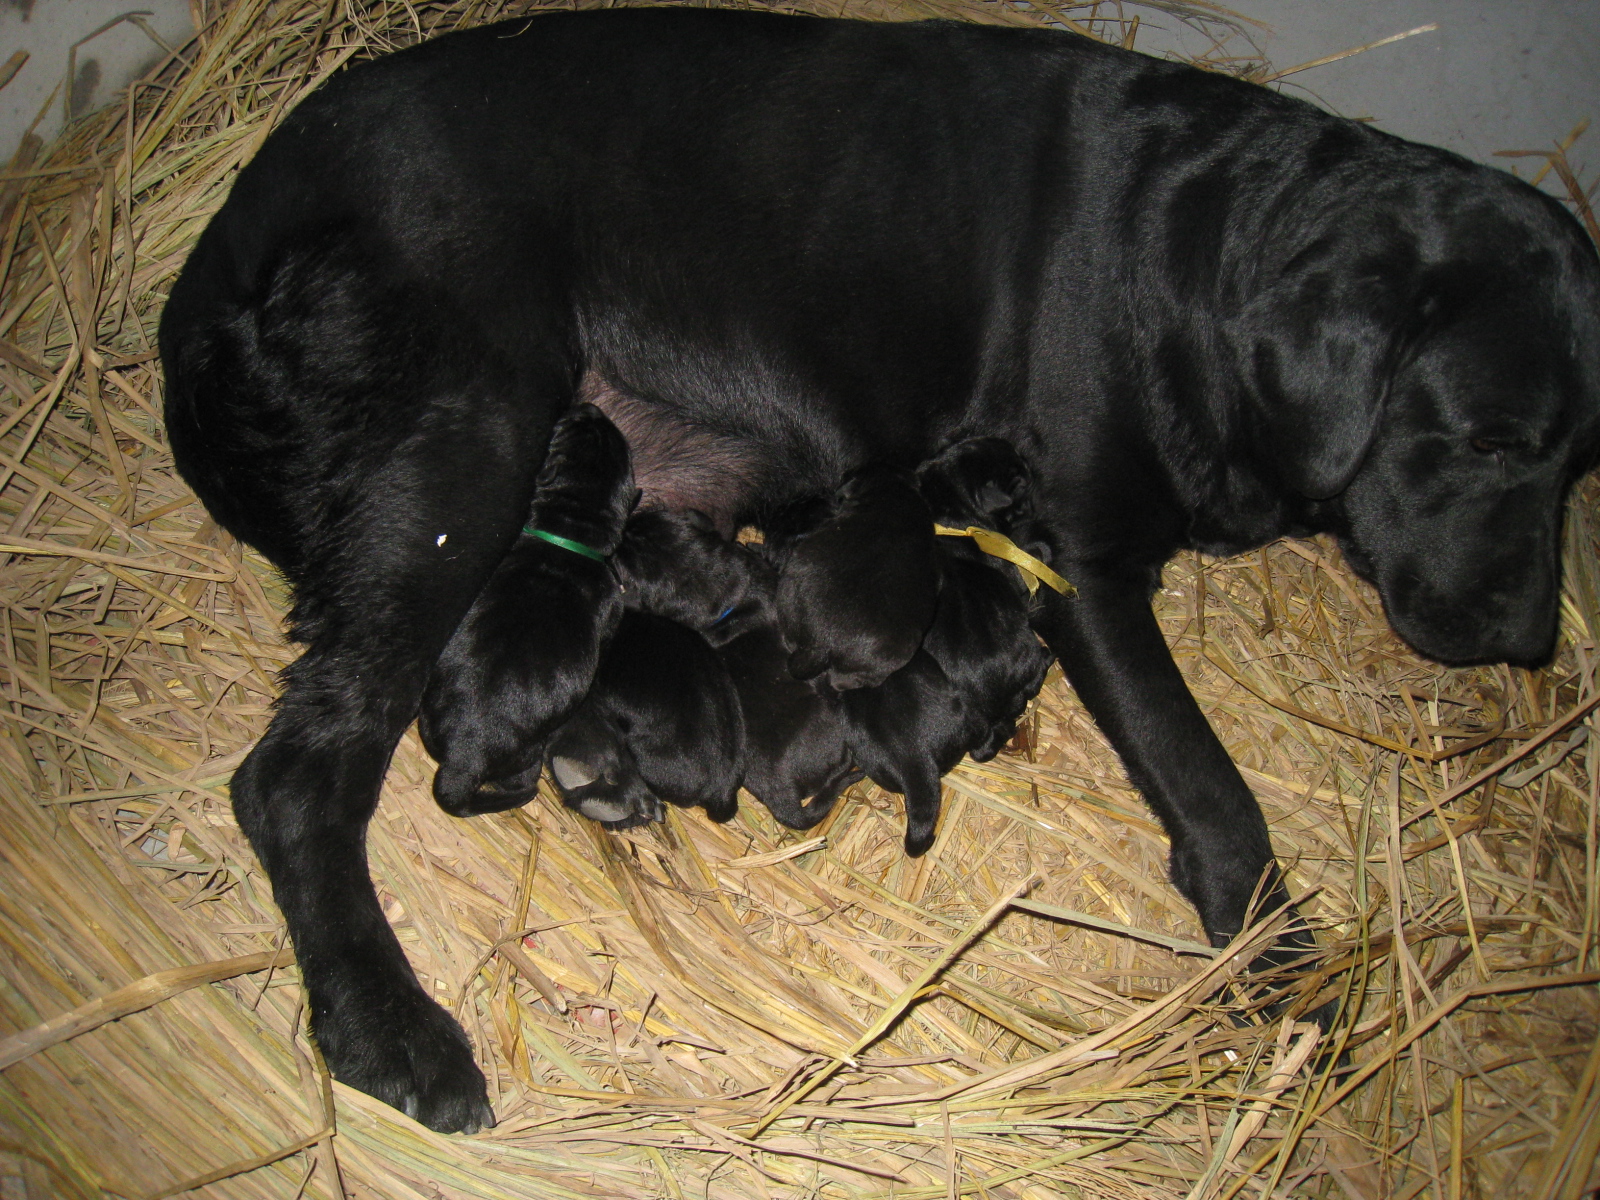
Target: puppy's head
(979,481)
(857,593)
(1428,370)
(677,565)
(1029,664)
(585,487)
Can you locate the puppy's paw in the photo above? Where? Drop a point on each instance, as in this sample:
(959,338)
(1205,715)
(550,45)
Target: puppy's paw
(586,789)
(411,1054)
(792,812)
(462,794)
(723,809)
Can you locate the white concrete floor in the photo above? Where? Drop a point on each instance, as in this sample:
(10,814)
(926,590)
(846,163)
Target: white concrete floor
(101,67)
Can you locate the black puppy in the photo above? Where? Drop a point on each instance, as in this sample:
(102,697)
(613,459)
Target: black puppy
(662,721)
(525,654)
(797,760)
(677,565)
(980,663)
(857,590)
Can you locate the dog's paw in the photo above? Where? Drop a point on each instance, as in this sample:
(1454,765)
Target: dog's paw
(413,1056)
(1284,978)
(587,789)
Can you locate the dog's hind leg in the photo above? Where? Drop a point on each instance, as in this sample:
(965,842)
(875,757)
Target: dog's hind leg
(417,536)
(370,437)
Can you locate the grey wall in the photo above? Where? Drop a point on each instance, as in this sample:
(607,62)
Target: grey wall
(1496,75)
(46,29)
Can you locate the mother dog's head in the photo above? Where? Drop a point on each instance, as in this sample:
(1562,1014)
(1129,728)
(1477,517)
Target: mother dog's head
(1423,355)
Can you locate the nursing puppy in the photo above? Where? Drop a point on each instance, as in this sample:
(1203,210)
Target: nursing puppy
(980,663)
(797,761)
(525,654)
(678,566)
(662,721)
(856,591)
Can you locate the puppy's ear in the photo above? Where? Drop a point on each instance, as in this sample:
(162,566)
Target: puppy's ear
(1315,352)
(991,498)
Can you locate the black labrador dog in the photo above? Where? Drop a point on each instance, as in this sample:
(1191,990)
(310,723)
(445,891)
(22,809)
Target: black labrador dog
(524,656)
(1207,316)
(979,663)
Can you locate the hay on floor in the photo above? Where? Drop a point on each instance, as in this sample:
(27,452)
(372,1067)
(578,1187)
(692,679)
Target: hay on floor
(731,1012)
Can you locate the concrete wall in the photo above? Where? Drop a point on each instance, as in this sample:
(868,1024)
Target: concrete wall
(102,66)
(1496,75)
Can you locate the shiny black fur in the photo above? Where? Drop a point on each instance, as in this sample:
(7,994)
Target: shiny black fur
(524,655)
(980,662)
(797,758)
(1207,315)
(662,721)
(857,588)
(677,565)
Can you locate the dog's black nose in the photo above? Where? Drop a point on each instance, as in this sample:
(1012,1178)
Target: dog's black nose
(1516,630)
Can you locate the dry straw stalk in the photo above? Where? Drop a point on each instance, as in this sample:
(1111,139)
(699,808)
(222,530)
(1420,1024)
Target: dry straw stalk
(728,1012)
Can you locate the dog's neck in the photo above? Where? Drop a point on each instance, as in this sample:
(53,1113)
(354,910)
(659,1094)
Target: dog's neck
(595,522)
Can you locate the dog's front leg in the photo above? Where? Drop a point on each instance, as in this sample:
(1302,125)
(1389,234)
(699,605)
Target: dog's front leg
(1113,652)
(304,797)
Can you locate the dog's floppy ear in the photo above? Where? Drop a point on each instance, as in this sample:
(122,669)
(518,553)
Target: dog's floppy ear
(1315,352)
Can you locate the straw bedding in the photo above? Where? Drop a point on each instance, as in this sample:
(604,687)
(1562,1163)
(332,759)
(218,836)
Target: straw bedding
(700,1011)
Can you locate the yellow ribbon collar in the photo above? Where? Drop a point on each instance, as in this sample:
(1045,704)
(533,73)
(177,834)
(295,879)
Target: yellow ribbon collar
(999,545)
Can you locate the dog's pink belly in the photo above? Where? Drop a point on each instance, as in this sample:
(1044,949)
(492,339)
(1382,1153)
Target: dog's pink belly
(677,462)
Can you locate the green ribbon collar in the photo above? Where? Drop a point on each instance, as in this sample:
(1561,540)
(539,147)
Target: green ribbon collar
(555,539)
